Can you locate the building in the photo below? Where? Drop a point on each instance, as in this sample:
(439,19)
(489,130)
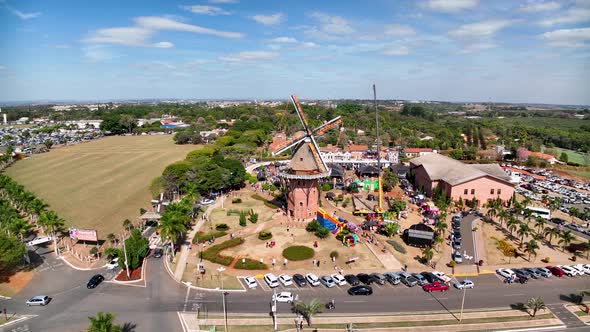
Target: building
(522,154)
(458,180)
(417,152)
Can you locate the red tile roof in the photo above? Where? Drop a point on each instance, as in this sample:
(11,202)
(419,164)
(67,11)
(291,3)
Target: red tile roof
(417,150)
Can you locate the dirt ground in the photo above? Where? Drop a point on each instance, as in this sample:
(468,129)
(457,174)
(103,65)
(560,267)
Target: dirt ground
(15,283)
(219,215)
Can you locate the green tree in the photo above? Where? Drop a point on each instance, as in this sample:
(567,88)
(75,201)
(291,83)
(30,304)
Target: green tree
(427,254)
(390,180)
(137,247)
(12,252)
(564,157)
(242,218)
(111,238)
(539,223)
(512,224)
(103,322)
(551,232)
(19,227)
(50,221)
(523,230)
(171,226)
(531,248)
(322,232)
(535,304)
(574,212)
(441,227)
(253,218)
(566,238)
(308,310)
(127,224)
(48,144)
(503,216)
(390,228)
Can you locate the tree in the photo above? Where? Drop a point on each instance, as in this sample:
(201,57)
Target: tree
(127,224)
(566,238)
(390,228)
(535,304)
(441,227)
(551,232)
(136,246)
(127,121)
(531,248)
(512,224)
(242,218)
(111,237)
(322,232)
(574,212)
(539,223)
(103,322)
(20,227)
(564,157)
(390,180)
(523,230)
(427,254)
(12,252)
(254,218)
(503,216)
(50,221)
(48,144)
(307,310)
(171,226)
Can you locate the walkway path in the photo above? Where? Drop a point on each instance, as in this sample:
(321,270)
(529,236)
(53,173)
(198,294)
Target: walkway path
(566,316)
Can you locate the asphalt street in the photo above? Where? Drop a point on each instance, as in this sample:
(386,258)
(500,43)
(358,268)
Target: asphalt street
(467,239)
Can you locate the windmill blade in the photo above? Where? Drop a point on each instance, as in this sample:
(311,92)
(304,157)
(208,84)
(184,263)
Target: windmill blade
(328,125)
(289,144)
(317,155)
(299,111)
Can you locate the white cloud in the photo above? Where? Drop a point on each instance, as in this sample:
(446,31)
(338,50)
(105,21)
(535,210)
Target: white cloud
(396,50)
(284,40)
(145,27)
(534,7)
(249,56)
(60,46)
(206,10)
(308,45)
(398,30)
(480,29)
(2,67)
(22,15)
(97,53)
(268,20)
(332,25)
(450,6)
(568,37)
(223,1)
(476,47)
(571,16)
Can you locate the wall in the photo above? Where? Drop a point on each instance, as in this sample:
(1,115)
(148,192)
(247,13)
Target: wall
(482,188)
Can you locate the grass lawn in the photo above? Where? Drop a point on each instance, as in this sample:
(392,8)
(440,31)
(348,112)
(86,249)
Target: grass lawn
(100,183)
(572,156)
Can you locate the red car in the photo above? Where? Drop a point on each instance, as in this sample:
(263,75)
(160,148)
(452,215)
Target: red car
(435,287)
(556,271)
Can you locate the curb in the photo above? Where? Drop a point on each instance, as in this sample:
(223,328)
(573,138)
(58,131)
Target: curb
(79,268)
(21,318)
(115,281)
(538,328)
(189,285)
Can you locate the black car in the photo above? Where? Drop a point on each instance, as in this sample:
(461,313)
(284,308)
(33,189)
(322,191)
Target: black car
(557,221)
(366,279)
(352,280)
(522,274)
(360,290)
(95,281)
(299,280)
(158,252)
(430,277)
(456,226)
(457,235)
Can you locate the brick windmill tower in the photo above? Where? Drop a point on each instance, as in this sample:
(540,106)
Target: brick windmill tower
(306,169)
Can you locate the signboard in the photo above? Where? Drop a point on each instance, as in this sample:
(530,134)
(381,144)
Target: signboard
(83,234)
(39,240)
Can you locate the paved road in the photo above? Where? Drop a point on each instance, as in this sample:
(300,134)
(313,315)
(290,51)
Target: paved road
(467,238)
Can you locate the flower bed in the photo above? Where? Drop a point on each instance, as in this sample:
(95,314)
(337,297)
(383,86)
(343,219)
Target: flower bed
(133,275)
(298,253)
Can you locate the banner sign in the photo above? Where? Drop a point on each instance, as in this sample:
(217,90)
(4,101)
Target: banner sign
(83,234)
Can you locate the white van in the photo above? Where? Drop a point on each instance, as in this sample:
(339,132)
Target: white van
(271,280)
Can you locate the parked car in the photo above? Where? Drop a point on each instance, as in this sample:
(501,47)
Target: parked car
(585,268)
(379,278)
(464,284)
(360,290)
(352,280)
(457,235)
(158,252)
(299,280)
(207,201)
(41,300)
(533,272)
(457,257)
(392,278)
(457,244)
(312,279)
(556,271)
(421,280)
(365,278)
(94,281)
(442,276)
(338,279)
(431,277)
(113,264)
(271,280)
(544,272)
(506,273)
(522,273)
(285,280)
(570,272)
(250,282)
(327,281)
(408,280)
(283,297)
(435,287)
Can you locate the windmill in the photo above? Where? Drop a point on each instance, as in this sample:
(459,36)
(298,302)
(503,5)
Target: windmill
(306,168)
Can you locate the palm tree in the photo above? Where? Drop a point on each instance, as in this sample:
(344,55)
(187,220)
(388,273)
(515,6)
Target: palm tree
(574,212)
(171,227)
(35,207)
(528,215)
(526,202)
(427,254)
(551,231)
(111,238)
(540,223)
(531,248)
(523,230)
(49,220)
(127,224)
(503,215)
(103,322)
(441,227)
(535,304)
(566,238)
(307,310)
(512,224)
(20,227)
(438,240)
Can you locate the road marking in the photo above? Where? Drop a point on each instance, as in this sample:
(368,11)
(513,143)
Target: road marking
(188,292)
(182,322)
(354,301)
(513,295)
(67,290)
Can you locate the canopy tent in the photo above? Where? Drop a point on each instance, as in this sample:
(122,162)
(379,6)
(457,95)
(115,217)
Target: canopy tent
(150,215)
(368,170)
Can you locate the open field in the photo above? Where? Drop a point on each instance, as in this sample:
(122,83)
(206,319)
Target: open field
(100,183)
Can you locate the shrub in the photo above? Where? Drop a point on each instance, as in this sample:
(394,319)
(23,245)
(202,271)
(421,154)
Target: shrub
(547,259)
(236,200)
(249,264)
(242,218)
(213,253)
(201,236)
(221,227)
(298,253)
(265,186)
(342,234)
(397,246)
(322,232)
(273,188)
(313,226)
(326,187)
(233,212)
(265,235)
(452,264)
(253,218)
(266,202)
(334,254)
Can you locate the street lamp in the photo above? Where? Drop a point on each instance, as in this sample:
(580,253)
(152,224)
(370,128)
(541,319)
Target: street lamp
(220,270)
(462,304)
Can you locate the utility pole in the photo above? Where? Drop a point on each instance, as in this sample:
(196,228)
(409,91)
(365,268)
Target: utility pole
(126,263)
(221,269)
(380,180)
(462,305)
(274,309)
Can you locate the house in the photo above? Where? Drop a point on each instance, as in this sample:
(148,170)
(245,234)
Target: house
(522,154)
(356,151)
(458,180)
(417,152)
(489,155)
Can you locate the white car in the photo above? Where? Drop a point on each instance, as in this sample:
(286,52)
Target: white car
(271,280)
(285,280)
(442,276)
(339,279)
(38,300)
(569,271)
(312,279)
(284,297)
(464,284)
(250,282)
(584,268)
(113,264)
(207,201)
(506,273)
(327,281)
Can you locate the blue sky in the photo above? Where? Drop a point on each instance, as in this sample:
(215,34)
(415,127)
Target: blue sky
(456,50)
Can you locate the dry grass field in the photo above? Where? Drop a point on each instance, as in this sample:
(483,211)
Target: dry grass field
(100,183)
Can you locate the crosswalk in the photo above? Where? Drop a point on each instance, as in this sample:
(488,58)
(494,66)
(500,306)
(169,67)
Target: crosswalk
(155,240)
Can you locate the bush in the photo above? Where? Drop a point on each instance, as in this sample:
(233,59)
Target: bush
(249,264)
(334,254)
(322,232)
(253,218)
(298,253)
(452,264)
(233,212)
(326,187)
(242,218)
(397,246)
(213,253)
(342,234)
(266,202)
(201,236)
(236,200)
(313,226)
(265,186)
(264,235)
(221,227)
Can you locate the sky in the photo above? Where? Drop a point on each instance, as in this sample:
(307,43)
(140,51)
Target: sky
(529,51)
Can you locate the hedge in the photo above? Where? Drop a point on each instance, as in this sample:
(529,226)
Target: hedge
(265,235)
(398,247)
(236,200)
(298,253)
(200,236)
(221,227)
(265,201)
(212,254)
(249,264)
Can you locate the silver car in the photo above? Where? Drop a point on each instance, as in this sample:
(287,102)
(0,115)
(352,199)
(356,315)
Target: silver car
(327,281)
(38,300)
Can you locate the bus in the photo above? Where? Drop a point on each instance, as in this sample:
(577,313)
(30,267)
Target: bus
(538,212)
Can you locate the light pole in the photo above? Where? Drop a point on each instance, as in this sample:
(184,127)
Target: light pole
(274,309)
(462,304)
(221,269)
(126,263)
